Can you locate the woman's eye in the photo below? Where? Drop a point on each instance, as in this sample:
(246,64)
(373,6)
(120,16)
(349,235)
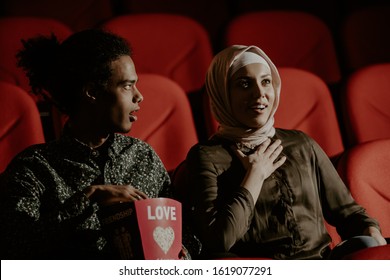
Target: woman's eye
(266,82)
(244,83)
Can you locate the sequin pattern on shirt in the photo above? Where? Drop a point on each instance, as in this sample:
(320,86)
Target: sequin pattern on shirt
(44,212)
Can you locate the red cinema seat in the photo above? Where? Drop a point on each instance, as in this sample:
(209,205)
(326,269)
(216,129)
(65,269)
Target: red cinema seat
(365,38)
(78,15)
(367,103)
(291,38)
(365,169)
(165,120)
(213,21)
(171,45)
(372,253)
(20,123)
(306,104)
(330,11)
(12,31)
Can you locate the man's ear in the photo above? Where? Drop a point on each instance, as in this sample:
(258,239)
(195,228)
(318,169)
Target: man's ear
(89,94)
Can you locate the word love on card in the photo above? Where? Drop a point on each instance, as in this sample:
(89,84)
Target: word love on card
(146,229)
(160,226)
(161,213)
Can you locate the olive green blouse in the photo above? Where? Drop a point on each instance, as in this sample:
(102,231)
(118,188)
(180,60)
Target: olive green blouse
(287,220)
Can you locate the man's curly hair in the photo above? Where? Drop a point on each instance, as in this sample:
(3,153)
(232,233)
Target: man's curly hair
(61,71)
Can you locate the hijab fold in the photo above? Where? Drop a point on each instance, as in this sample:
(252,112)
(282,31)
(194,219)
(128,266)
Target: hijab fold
(217,87)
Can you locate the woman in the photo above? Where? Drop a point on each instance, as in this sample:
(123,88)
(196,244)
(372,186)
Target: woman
(257,191)
(51,192)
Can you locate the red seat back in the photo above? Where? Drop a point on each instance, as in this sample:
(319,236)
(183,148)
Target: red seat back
(306,104)
(290,38)
(365,38)
(20,123)
(366,171)
(165,120)
(367,103)
(372,253)
(12,30)
(78,15)
(213,21)
(170,45)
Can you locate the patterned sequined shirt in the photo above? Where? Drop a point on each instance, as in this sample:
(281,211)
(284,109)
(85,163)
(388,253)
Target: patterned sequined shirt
(44,212)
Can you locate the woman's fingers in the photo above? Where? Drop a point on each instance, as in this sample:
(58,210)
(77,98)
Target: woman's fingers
(280,162)
(275,154)
(264,146)
(238,152)
(266,154)
(271,150)
(274,148)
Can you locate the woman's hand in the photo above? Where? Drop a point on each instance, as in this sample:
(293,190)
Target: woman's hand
(110,194)
(376,234)
(263,159)
(260,165)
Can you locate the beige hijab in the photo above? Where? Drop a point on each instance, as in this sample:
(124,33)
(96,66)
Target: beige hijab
(217,85)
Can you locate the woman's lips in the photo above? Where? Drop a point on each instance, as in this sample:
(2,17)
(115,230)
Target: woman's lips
(258,107)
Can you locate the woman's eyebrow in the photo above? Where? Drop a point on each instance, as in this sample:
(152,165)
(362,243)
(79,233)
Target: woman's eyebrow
(246,76)
(266,75)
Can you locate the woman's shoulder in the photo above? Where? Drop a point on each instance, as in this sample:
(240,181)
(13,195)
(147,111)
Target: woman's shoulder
(214,147)
(297,140)
(292,135)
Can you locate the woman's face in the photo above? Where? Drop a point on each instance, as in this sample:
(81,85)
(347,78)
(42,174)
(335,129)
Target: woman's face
(120,101)
(252,95)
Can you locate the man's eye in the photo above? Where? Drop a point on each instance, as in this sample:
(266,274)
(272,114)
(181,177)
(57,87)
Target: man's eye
(128,87)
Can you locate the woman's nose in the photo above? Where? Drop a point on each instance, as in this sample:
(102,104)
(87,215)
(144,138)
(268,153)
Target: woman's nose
(258,92)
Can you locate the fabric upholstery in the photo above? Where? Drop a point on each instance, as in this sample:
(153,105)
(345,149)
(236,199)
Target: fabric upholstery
(20,123)
(365,38)
(12,30)
(367,103)
(290,38)
(170,45)
(366,171)
(78,15)
(165,120)
(372,253)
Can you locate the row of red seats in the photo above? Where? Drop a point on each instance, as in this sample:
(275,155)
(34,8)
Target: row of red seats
(307,101)
(349,21)
(306,105)
(363,168)
(184,53)
(291,38)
